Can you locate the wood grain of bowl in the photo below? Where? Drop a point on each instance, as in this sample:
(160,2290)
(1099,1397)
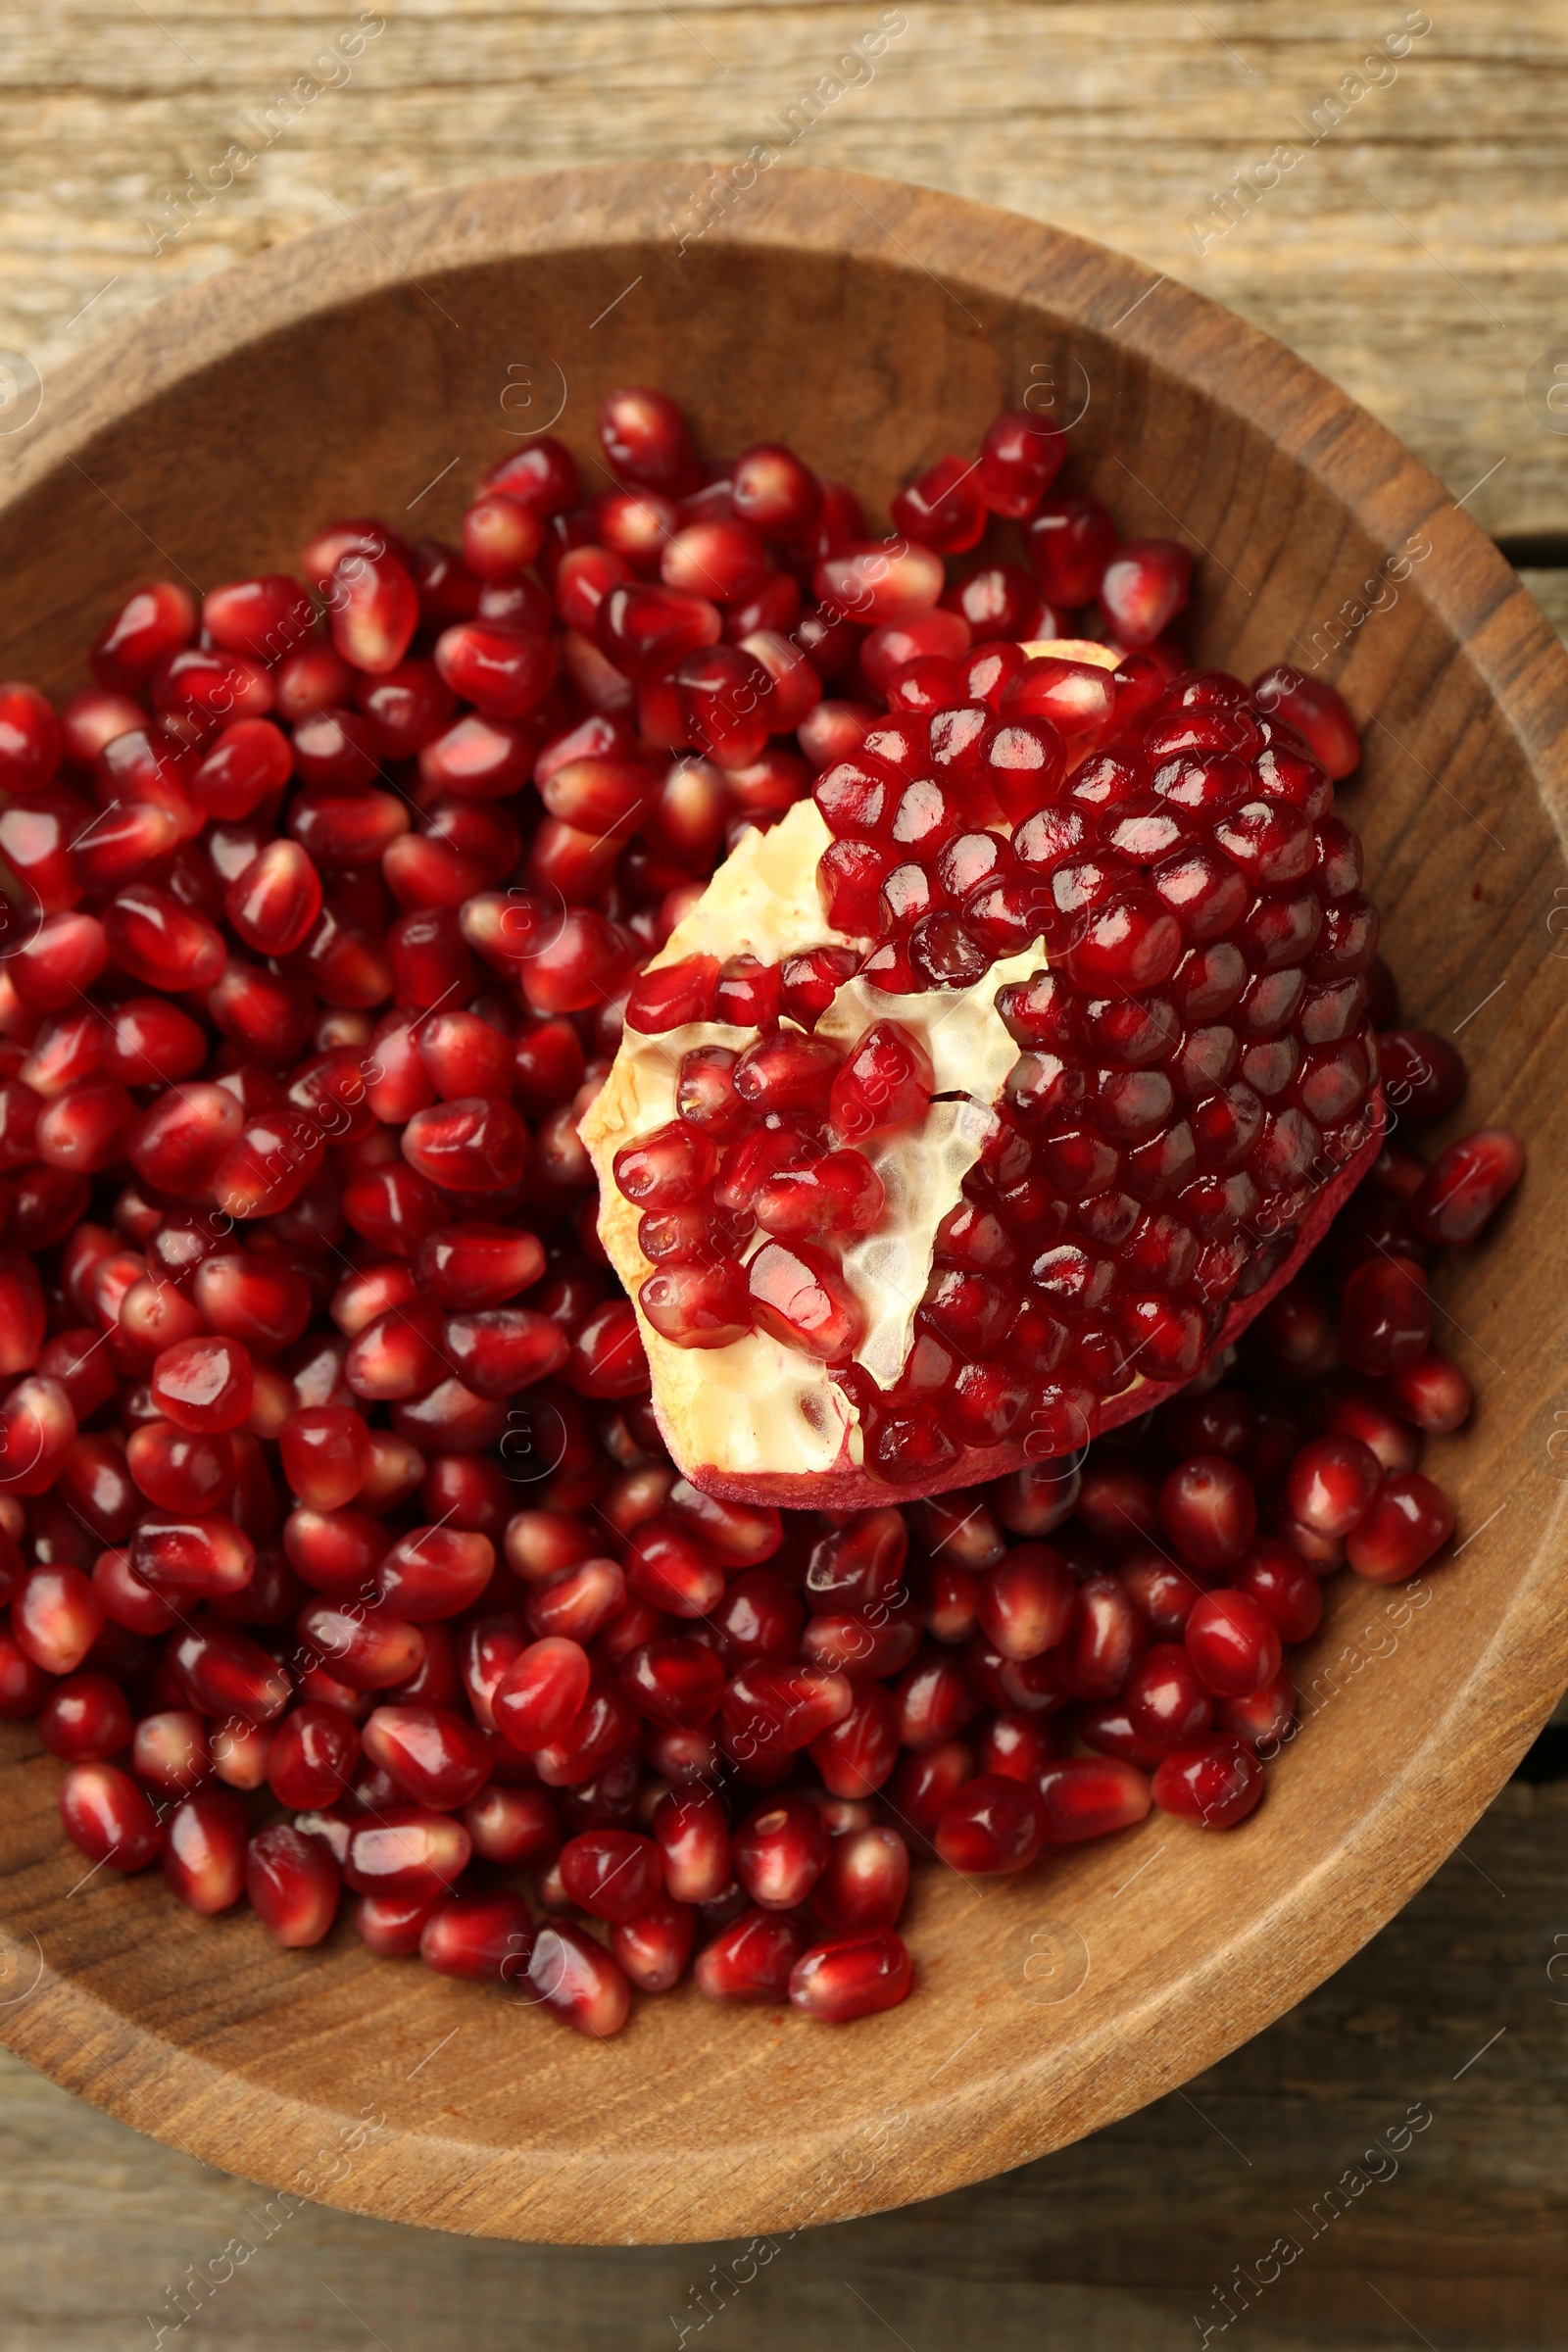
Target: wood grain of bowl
(379,367)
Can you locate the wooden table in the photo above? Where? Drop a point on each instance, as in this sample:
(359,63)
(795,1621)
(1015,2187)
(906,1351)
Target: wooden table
(1403,227)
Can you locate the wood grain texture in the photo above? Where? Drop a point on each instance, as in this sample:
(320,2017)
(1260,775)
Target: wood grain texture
(370,368)
(1418,252)
(1110,2247)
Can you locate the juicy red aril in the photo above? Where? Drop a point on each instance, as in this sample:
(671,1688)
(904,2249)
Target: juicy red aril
(1168,1705)
(1090,1797)
(1467,1186)
(1433,1392)
(293,1883)
(1233,1642)
(1411,1519)
(1385,1315)
(611,1873)
(1330,1484)
(779,1852)
(752,1958)
(577,1980)
(989,1824)
(108,1818)
(850,1975)
(1208,1510)
(1316,710)
(1215,1783)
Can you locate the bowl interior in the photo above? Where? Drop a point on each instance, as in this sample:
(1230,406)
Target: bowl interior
(874,327)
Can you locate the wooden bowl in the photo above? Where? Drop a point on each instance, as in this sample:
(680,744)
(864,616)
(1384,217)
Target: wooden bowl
(377,369)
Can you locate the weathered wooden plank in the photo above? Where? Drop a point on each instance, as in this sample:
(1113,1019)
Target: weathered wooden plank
(1415,249)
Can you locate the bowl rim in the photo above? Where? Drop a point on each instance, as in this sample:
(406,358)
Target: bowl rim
(79,2038)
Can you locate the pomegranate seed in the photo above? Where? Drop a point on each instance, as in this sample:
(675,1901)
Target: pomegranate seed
(1215,1783)
(541,1695)
(611,1873)
(108,1818)
(991,1824)
(1284,1585)
(1167,1706)
(693,1838)
(752,1958)
(1411,1519)
(1433,1392)
(204,1850)
(645,438)
(1233,1642)
(1386,1316)
(170,1752)
(55,1618)
(1330,1484)
(780,1853)
(577,1980)
(653,1949)
(293,1883)
(1466,1185)
(1318,713)
(487,1939)
(513,1826)
(84,1719)
(852,1975)
(1090,1797)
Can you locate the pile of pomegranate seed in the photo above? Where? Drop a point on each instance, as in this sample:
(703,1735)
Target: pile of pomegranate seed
(328,902)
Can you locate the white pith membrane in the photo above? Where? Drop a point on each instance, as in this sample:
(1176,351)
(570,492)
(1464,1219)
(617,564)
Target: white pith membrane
(758,1407)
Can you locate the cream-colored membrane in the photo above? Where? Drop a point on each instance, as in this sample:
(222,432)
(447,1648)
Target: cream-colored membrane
(758,1405)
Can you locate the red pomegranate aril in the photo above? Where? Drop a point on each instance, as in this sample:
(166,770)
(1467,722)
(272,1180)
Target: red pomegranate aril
(56,1617)
(1090,1797)
(486,1938)
(170,1752)
(1281,1582)
(992,1824)
(1208,1511)
(108,1818)
(653,1947)
(1385,1315)
(646,440)
(369,1650)
(542,1693)
(434,1755)
(611,1873)
(1330,1484)
(779,1852)
(1214,1783)
(84,1719)
(1167,1706)
(408,1852)
(1316,710)
(1467,1186)
(1233,1642)
(293,1883)
(195,1557)
(204,1385)
(203,1851)
(579,1981)
(850,1975)
(313,1758)
(513,1826)
(752,1958)
(1025,1600)
(1409,1520)
(1434,1394)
